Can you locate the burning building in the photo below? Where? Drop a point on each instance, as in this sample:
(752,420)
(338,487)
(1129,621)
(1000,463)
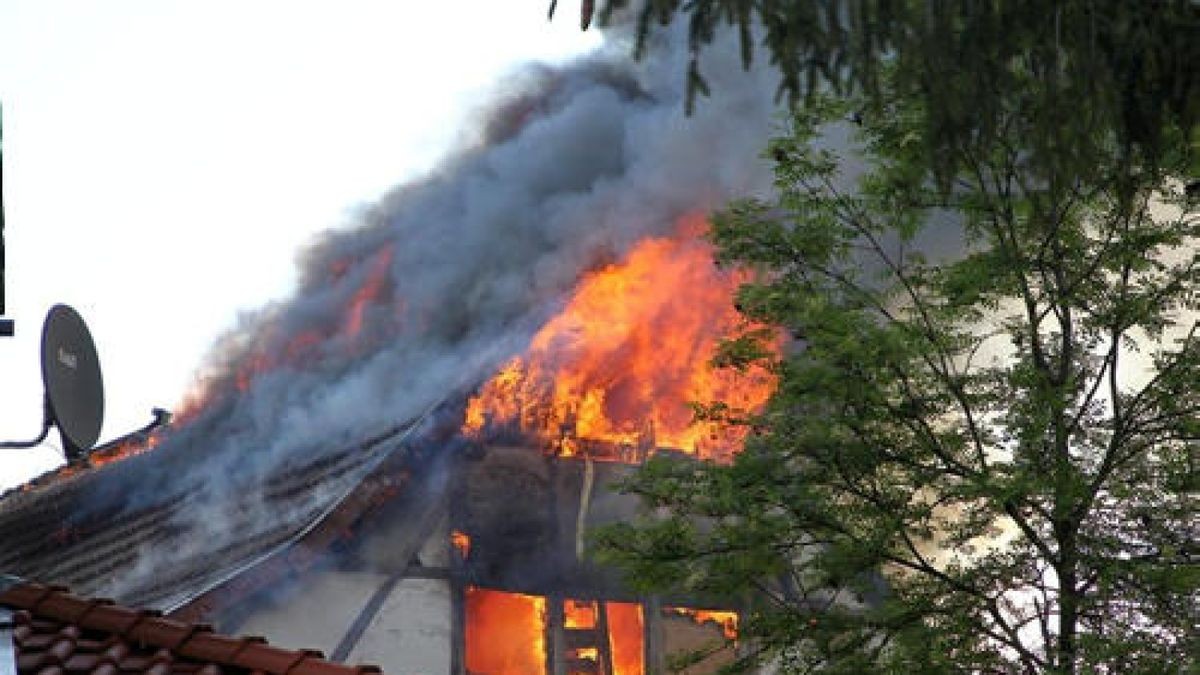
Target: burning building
(401,463)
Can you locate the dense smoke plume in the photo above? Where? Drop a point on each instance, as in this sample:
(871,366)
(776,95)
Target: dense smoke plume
(449,275)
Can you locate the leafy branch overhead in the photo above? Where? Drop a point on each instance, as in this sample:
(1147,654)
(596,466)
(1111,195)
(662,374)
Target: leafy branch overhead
(1123,66)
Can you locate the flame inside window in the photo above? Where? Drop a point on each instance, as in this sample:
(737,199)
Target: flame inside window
(627,637)
(505,633)
(579,618)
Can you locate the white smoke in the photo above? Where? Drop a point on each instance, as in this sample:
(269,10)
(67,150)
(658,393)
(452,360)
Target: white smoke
(567,169)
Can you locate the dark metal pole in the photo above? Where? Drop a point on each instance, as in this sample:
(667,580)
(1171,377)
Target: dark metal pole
(6,325)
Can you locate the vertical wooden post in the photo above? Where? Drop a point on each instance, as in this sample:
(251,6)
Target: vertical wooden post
(556,663)
(603,639)
(458,625)
(655,640)
(556,652)
(457,570)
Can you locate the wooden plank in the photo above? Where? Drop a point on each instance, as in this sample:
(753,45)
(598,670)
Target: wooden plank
(603,639)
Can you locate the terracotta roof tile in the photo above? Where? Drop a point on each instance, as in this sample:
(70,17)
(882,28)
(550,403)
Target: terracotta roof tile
(56,633)
(113,618)
(161,632)
(212,647)
(268,659)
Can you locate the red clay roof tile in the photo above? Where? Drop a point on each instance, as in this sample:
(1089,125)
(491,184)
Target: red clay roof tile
(205,646)
(268,659)
(62,606)
(59,633)
(113,619)
(26,595)
(161,632)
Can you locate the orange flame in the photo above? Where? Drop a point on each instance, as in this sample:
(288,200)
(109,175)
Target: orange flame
(377,276)
(627,638)
(461,542)
(579,614)
(505,633)
(271,353)
(627,355)
(127,449)
(728,621)
(625,634)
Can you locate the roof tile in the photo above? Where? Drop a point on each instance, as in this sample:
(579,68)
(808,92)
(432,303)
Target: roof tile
(62,649)
(57,633)
(267,658)
(161,632)
(83,663)
(62,606)
(205,646)
(24,595)
(113,619)
(116,651)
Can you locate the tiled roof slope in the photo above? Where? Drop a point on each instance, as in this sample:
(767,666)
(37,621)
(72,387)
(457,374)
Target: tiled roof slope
(57,633)
(127,530)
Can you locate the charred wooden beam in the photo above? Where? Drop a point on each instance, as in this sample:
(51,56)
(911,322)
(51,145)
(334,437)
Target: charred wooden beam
(556,643)
(604,639)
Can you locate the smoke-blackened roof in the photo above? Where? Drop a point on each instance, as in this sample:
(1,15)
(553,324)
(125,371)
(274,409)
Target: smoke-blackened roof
(85,531)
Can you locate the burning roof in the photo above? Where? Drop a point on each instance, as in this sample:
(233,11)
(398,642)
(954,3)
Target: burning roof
(557,262)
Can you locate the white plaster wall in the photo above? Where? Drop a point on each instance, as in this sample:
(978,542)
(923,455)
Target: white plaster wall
(435,552)
(316,616)
(411,634)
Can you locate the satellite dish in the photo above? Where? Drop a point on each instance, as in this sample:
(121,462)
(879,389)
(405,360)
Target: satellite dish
(71,375)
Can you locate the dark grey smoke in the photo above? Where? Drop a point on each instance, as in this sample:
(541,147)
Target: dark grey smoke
(566,170)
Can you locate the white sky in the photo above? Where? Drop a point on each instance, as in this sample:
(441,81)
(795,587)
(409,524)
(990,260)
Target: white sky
(165,161)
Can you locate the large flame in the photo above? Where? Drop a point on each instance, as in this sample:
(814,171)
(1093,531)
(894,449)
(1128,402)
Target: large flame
(505,633)
(627,355)
(627,638)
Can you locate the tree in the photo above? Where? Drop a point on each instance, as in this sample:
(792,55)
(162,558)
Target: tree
(1110,66)
(982,457)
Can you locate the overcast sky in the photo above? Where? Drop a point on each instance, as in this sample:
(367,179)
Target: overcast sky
(166,160)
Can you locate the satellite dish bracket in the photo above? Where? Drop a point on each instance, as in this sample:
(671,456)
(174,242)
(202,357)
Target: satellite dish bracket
(47,422)
(28,444)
